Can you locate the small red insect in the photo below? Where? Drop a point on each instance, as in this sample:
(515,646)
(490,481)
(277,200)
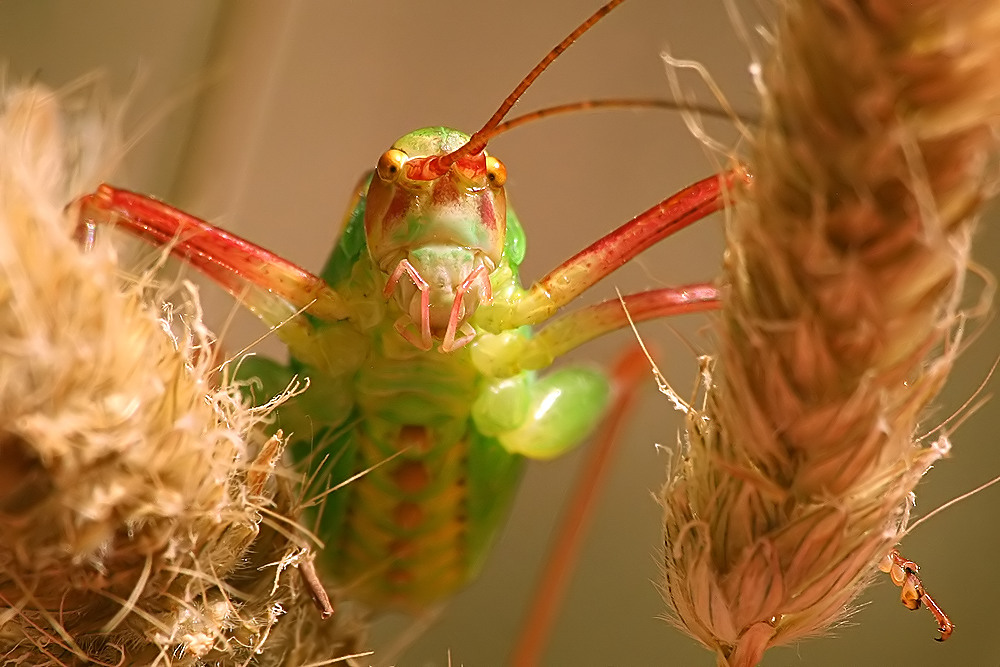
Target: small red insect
(903,573)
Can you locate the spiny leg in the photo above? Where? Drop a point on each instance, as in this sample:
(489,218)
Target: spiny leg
(272,287)
(504,355)
(583,270)
(566,546)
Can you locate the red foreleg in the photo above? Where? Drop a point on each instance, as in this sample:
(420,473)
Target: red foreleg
(583,270)
(272,287)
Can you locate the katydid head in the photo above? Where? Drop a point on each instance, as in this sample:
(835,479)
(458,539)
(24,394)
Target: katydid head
(437,240)
(436,213)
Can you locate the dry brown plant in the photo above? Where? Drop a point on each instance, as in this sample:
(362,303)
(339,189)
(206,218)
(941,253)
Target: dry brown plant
(143,520)
(842,316)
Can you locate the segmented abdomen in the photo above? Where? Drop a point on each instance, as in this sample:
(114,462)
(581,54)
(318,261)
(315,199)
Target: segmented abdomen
(405,539)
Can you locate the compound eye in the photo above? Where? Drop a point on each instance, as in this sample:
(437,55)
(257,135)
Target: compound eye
(496,173)
(390,165)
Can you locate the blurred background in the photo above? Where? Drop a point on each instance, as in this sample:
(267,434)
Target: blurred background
(262,116)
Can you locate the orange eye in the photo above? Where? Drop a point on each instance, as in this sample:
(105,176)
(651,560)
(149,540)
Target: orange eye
(496,173)
(390,165)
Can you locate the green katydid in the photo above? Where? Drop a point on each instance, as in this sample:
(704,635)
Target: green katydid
(415,337)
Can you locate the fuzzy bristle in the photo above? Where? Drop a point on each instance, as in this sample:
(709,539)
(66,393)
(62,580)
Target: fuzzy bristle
(141,517)
(844,273)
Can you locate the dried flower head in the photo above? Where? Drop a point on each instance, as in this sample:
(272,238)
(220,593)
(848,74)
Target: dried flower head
(141,519)
(844,268)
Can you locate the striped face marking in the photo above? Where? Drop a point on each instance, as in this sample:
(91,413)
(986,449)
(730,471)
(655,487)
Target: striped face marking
(436,240)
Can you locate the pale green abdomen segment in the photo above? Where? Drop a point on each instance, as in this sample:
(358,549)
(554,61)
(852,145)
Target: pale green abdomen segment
(408,538)
(416,527)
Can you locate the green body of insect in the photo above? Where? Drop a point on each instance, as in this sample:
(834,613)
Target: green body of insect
(418,346)
(395,392)
(417,343)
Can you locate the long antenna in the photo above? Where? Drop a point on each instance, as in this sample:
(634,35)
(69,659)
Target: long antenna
(436,166)
(713,111)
